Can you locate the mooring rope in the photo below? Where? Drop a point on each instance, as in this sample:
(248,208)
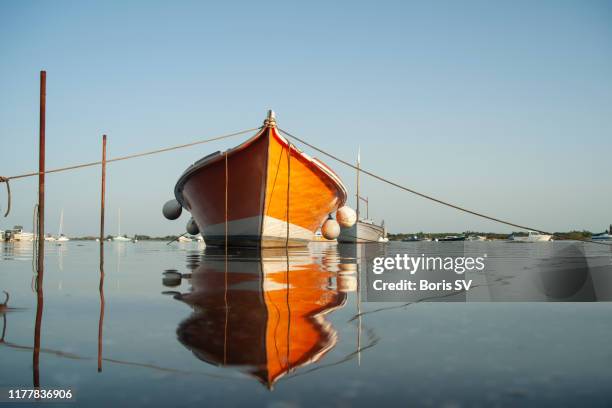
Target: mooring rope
(8,194)
(131,156)
(428,197)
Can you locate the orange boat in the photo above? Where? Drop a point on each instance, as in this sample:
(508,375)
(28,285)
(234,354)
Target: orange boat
(262,193)
(262,313)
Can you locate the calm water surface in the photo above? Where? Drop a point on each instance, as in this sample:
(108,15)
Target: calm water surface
(184,325)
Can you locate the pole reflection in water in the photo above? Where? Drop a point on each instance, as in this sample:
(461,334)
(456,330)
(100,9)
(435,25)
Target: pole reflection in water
(261,311)
(3,327)
(38,323)
(101,318)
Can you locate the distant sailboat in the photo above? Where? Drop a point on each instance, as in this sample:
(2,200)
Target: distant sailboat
(364,230)
(119,237)
(61,237)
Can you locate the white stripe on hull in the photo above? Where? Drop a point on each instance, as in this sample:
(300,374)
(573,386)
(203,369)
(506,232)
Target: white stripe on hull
(246,232)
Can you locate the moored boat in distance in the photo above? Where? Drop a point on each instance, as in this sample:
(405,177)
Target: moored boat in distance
(532,236)
(416,238)
(364,230)
(119,237)
(451,238)
(476,238)
(604,236)
(18,234)
(61,237)
(264,192)
(412,238)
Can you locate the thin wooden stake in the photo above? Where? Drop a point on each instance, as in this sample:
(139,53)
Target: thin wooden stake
(103,195)
(41,231)
(41,172)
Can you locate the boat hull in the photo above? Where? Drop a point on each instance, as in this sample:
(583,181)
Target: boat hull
(538,238)
(262,193)
(450,239)
(362,232)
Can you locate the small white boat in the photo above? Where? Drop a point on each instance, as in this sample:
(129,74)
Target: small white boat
(119,237)
(364,230)
(61,237)
(183,238)
(603,237)
(532,236)
(18,234)
(476,238)
(451,238)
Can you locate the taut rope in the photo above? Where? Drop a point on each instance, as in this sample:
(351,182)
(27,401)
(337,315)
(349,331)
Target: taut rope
(131,156)
(428,197)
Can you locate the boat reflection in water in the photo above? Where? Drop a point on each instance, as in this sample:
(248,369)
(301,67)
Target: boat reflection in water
(263,311)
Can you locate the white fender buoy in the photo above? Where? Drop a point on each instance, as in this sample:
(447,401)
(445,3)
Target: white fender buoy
(346,284)
(330,229)
(172,209)
(347,269)
(346,216)
(192,227)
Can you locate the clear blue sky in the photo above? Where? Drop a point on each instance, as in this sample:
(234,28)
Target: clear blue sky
(503,107)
